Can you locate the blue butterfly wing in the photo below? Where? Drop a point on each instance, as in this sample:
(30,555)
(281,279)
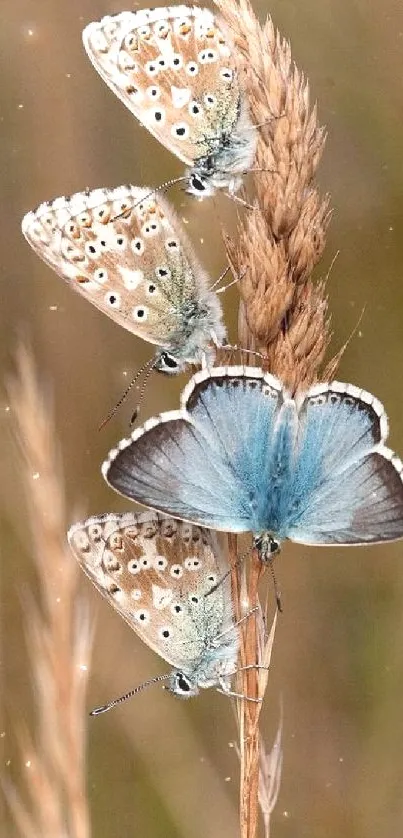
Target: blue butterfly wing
(170,467)
(347,486)
(206,463)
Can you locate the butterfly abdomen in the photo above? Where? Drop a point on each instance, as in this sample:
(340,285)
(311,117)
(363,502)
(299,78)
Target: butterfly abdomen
(199,320)
(231,152)
(219,661)
(279,470)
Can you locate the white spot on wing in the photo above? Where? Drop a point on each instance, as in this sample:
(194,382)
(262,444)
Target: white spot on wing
(99,42)
(161,596)
(180,96)
(131,279)
(192,563)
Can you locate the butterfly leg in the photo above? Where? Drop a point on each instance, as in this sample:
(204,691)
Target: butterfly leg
(217,640)
(238,562)
(222,276)
(232,694)
(228,285)
(235,348)
(241,201)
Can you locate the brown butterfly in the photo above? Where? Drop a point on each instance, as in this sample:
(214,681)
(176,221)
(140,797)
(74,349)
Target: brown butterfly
(125,250)
(174,68)
(169,581)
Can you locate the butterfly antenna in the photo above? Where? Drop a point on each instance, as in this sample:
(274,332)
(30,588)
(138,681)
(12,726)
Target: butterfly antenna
(146,368)
(143,388)
(163,187)
(104,707)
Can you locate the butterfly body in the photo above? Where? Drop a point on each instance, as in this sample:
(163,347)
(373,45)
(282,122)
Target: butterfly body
(125,251)
(227,160)
(242,455)
(214,669)
(174,69)
(160,575)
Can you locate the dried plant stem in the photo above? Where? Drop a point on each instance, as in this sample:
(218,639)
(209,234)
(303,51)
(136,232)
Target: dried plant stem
(283,314)
(249,808)
(59,633)
(248,711)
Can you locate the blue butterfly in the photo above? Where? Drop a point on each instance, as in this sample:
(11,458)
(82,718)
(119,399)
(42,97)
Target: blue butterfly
(242,455)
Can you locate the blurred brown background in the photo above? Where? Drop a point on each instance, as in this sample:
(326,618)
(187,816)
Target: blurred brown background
(159,767)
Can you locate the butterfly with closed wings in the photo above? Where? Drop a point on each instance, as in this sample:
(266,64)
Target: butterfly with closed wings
(169,581)
(175,69)
(125,251)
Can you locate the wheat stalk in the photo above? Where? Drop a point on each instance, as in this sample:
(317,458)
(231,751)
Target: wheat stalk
(59,632)
(283,313)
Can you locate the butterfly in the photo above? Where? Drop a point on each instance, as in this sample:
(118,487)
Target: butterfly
(125,251)
(242,455)
(174,68)
(169,581)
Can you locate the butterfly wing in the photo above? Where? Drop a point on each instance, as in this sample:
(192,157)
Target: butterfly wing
(206,462)
(156,572)
(125,250)
(173,68)
(348,487)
